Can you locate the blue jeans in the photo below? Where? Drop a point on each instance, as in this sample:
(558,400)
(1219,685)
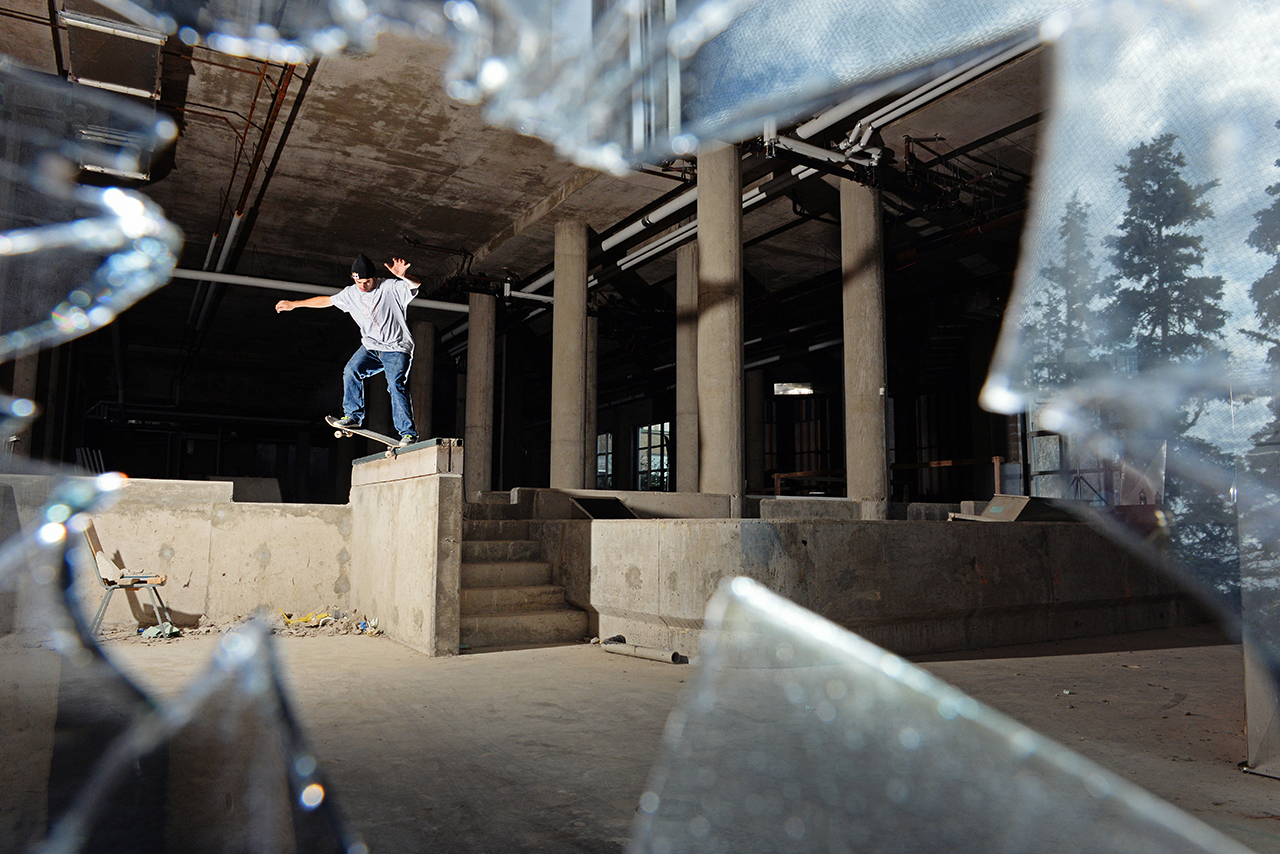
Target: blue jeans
(367,363)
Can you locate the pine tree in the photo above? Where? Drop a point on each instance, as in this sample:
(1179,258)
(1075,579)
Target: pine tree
(1062,318)
(1265,292)
(1164,315)
(1258,551)
(1171,315)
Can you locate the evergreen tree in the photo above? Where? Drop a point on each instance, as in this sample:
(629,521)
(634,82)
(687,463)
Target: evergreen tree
(1265,292)
(1164,315)
(1062,320)
(1171,315)
(1258,550)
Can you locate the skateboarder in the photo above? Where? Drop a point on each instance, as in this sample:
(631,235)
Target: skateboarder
(377,305)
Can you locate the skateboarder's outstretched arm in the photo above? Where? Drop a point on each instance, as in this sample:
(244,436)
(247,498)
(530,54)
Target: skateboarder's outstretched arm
(310,302)
(398,268)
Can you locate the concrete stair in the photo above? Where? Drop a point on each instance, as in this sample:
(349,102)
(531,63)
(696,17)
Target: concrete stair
(507,598)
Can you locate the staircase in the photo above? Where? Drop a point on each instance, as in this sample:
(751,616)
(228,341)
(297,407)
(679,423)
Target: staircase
(507,598)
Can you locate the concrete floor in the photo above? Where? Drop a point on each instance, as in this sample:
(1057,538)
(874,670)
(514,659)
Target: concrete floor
(549,749)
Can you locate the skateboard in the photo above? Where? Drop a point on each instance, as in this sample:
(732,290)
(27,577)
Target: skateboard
(393,445)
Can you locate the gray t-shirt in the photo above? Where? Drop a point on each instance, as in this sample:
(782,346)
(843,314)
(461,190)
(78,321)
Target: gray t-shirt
(380,314)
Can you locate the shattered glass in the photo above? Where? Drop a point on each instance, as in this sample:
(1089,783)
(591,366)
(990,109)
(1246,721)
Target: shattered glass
(83,252)
(98,764)
(1142,342)
(1144,331)
(614,84)
(797,735)
(95,764)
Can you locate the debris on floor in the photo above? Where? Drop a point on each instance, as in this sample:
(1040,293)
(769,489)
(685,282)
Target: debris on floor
(326,621)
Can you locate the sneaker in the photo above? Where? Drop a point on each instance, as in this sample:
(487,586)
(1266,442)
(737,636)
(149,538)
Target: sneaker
(346,421)
(407,439)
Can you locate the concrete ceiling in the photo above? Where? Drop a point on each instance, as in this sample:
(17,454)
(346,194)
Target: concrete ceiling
(366,153)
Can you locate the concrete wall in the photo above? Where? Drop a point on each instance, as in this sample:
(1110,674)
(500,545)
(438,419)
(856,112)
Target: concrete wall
(394,554)
(223,560)
(842,508)
(407,547)
(912,587)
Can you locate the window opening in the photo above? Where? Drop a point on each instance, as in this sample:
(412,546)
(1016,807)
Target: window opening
(604,461)
(652,458)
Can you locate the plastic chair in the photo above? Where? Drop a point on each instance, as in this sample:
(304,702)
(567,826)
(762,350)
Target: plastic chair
(123,580)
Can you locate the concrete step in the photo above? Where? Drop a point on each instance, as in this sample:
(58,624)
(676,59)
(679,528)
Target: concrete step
(524,573)
(492,551)
(560,625)
(495,529)
(472,510)
(507,600)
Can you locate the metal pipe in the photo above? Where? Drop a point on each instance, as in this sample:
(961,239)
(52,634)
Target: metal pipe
(211,295)
(934,89)
(808,150)
(647,221)
(298,287)
(198,298)
(645,652)
(59,62)
(285,78)
(842,111)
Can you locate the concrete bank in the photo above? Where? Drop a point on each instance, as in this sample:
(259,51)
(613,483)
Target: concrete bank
(913,587)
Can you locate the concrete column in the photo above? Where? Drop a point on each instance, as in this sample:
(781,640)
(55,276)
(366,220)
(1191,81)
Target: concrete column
(862,266)
(686,432)
(569,356)
(422,376)
(477,442)
(753,428)
(720,322)
(592,401)
(25,371)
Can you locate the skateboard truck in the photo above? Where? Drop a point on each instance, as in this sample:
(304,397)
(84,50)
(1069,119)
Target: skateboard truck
(393,445)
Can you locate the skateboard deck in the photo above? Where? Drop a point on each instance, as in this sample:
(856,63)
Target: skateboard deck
(393,445)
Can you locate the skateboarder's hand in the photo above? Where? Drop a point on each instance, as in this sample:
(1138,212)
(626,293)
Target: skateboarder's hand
(284,305)
(398,267)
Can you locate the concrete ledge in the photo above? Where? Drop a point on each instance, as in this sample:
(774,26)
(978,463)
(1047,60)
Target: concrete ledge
(406,549)
(437,456)
(555,503)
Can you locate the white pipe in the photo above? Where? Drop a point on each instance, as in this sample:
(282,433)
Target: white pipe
(842,111)
(298,287)
(812,151)
(506,291)
(647,221)
(232,233)
(934,89)
(208,255)
(645,652)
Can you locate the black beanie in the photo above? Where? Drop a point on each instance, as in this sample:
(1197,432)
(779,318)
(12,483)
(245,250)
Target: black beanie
(363,267)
